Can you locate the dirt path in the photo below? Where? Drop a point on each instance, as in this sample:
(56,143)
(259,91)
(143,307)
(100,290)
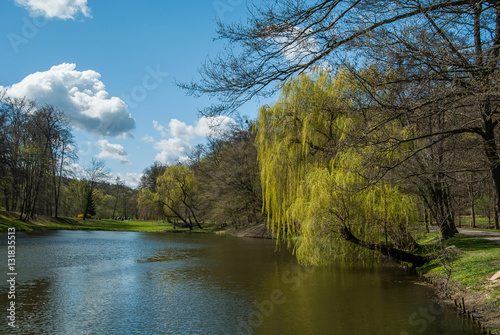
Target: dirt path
(495,237)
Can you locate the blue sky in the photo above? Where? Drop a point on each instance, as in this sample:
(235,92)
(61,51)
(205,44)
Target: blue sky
(111,65)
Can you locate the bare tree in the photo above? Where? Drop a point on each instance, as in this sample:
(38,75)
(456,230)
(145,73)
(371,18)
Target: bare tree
(95,173)
(118,192)
(437,56)
(63,154)
(35,150)
(230,179)
(15,117)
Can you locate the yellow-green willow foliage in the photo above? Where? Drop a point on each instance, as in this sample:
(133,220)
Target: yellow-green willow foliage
(315,182)
(177,190)
(147,207)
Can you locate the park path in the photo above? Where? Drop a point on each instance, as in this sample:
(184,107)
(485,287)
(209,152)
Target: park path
(495,237)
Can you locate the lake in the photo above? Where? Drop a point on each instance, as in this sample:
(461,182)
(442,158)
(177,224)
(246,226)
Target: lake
(99,282)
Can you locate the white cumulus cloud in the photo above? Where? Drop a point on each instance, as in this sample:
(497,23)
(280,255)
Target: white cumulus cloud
(206,126)
(160,129)
(77,171)
(61,9)
(112,151)
(178,136)
(296,44)
(148,139)
(81,95)
(131,179)
(172,150)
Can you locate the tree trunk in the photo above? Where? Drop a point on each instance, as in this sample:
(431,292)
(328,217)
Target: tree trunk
(427,220)
(449,206)
(194,216)
(473,215)
(472,206)
(6,194)
(441,210)
(58,186)
(188,223)
(386,250)
(496,220)
(495,175)
(491,151)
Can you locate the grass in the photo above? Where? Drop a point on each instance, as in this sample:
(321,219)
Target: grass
(478,263)
(474,262)
(427,239)
(9,219)
(476,259)
(481,223)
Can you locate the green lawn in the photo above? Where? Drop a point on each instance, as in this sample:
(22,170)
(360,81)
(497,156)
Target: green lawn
(476,261)
(481,222)
(479,261)
(8,219)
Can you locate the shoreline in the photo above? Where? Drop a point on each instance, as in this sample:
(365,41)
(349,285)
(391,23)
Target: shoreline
(462,277)
(471,303)
(256,231)
(41,223)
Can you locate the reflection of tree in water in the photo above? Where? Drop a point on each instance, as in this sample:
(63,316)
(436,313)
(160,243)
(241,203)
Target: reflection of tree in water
(34,308)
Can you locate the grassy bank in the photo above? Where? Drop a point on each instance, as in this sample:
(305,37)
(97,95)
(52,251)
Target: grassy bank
(463,271)
(481,222)
(8,219)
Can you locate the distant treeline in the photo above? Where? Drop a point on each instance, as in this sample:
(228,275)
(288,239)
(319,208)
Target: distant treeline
(36,146)
(323,162)
(220,183)
(37,150)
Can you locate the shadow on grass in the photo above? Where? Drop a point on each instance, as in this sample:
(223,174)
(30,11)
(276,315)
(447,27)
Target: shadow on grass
(429,267)
(462,242)
(65,221)
(469,243)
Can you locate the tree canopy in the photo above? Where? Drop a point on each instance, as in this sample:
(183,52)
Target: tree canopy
(453,42)
(436,69)
(35,149)
(317,183)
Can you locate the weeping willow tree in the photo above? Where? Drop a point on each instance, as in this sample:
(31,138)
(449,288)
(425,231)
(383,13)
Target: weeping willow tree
(321,183)
(177,191)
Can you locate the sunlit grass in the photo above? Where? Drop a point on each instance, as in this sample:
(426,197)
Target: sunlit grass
(8,219)
(475,263)
(482,222)
(428,239)
(478,262)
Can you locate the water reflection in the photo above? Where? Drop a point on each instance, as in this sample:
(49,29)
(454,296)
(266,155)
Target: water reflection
(140,283)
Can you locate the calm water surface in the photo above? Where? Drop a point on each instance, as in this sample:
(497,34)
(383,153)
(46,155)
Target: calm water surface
(75,282)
